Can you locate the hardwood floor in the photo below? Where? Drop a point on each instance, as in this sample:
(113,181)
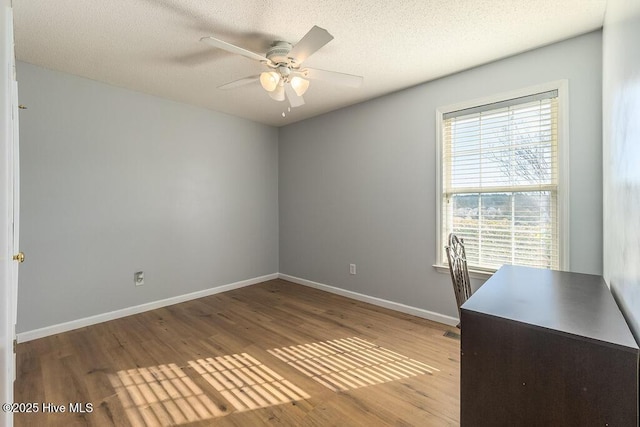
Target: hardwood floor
(275,353)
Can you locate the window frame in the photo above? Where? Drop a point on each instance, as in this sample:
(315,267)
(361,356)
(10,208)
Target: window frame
(563,168)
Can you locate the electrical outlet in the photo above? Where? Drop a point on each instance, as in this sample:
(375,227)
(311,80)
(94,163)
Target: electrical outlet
(352,269)
(138,278)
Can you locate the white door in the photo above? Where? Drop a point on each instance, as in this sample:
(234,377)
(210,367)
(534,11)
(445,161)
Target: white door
(9,208)
(18,256)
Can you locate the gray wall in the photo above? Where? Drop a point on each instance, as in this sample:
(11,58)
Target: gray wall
(358,185)
(115,181)
(621,154)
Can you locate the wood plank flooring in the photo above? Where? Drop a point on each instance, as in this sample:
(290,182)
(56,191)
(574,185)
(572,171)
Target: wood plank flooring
(275,353)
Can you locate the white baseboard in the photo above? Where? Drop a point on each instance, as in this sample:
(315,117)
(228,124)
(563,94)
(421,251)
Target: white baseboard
(112,315)
(419,312)
(104,317)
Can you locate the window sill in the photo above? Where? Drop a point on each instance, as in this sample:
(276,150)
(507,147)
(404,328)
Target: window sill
(474,274)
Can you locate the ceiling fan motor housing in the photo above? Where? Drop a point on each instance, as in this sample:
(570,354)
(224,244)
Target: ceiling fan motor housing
(278,52)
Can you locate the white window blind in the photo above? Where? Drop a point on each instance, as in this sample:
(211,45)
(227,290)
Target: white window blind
(500,182)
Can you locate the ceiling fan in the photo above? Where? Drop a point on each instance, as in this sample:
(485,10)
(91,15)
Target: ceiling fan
(285,79)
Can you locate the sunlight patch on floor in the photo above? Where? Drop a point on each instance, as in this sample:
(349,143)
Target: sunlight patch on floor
(162,395)
(246,383)
(350,363)
(166,395)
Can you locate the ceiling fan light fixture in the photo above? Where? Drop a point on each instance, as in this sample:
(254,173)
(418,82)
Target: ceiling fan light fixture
(269,80)
(284,79)
(299,85)
(278,93)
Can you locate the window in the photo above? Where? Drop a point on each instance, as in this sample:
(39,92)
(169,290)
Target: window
(500,181)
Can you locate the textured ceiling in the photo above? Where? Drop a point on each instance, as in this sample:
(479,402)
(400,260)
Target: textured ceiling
(153,46)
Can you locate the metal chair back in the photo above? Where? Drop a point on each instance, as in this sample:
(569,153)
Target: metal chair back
(458,269)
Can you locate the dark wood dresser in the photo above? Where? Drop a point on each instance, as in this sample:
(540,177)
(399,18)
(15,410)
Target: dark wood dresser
(546,348)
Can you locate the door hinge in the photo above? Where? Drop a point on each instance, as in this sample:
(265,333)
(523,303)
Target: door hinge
(15,344)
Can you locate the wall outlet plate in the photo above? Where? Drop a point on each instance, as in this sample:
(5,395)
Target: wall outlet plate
(352,269)
(138,278)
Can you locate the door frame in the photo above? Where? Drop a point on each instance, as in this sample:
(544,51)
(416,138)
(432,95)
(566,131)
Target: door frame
(8,269)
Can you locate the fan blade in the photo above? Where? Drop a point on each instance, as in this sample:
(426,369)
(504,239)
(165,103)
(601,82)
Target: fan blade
(292,96)
(240,82)
(333,77)
(232,48)
(311,42)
